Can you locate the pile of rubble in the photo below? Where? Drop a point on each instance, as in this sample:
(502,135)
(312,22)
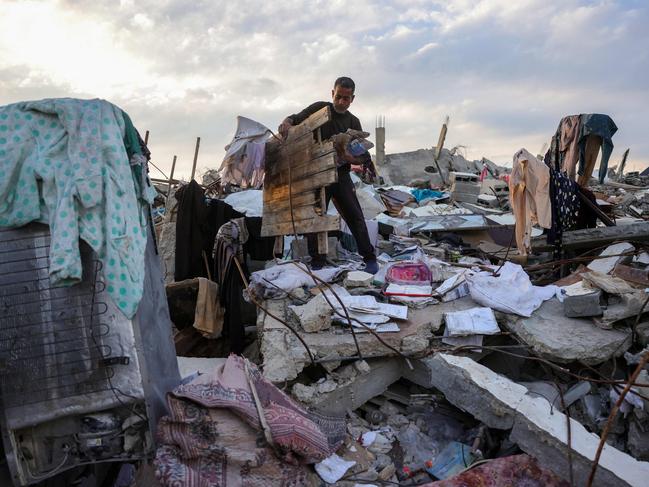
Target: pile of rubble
(451,360)
(477,339)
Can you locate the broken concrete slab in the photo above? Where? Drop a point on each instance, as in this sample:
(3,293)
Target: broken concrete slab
(607,265)
(557,337)
(537,429)
(620,308)
(352,393)
(312,316)
(284,357)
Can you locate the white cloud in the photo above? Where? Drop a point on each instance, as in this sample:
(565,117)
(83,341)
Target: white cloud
(504,71)
(142,21)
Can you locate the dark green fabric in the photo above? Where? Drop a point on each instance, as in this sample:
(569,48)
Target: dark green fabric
(131,139)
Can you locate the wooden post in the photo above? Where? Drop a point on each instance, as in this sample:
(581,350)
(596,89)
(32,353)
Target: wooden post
(198,144)
(323,237)
(620,171)
(171,177)
(146,138)
(438,149)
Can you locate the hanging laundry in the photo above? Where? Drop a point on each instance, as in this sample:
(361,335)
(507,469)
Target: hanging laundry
(529,196)
(208,316)
(194,237)
(567,139)
(228,246)
(243,164)
(63,162)
(602,126)
(565,207)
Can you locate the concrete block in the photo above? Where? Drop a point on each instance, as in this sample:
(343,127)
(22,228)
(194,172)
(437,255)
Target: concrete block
(312,316)
(358,279)
(470,188)
(583,306)
(465,197)
(465,177)
(488,200)
(488,186)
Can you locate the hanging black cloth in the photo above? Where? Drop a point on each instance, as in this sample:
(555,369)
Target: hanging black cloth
(194,234)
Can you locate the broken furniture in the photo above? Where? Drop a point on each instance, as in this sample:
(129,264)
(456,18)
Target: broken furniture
(297,172)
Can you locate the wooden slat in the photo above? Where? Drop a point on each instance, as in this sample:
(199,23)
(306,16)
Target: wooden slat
(285,216)
(314,121)
(322,224)
(304,173)
(306,198)
(317,181)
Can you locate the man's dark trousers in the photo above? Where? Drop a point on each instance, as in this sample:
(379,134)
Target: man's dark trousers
(350,210)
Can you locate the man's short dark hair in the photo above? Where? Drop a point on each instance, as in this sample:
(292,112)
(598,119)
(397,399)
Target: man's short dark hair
(345,82)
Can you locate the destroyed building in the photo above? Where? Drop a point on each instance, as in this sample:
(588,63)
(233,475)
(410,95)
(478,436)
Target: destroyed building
(503,341)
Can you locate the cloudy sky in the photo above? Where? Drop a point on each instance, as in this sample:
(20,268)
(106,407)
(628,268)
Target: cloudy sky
(504,71)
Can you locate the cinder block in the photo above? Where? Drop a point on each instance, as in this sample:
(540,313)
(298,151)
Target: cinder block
(469,188)
(583,306)
(488,200)
(465,197)
(464,177)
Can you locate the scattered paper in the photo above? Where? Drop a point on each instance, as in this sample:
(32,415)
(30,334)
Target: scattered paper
(380,328)
(450,283)
(474,321)
(375,318)
(461,341)
(393,310)
(457,293)
(333,468)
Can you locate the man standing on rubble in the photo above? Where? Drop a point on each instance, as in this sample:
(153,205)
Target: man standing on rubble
(342,192)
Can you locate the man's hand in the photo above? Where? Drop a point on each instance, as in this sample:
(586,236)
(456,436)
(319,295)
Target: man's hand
(347,157)
(284,126)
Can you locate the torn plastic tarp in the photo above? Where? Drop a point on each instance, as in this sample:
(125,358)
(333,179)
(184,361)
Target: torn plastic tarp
(243,164)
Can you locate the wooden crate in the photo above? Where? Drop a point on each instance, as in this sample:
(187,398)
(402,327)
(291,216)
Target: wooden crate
(297,172)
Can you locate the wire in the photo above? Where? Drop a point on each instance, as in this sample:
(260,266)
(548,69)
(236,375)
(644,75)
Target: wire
(113,389)
(166,177)
(49,473)
(256,303)
(611,416)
